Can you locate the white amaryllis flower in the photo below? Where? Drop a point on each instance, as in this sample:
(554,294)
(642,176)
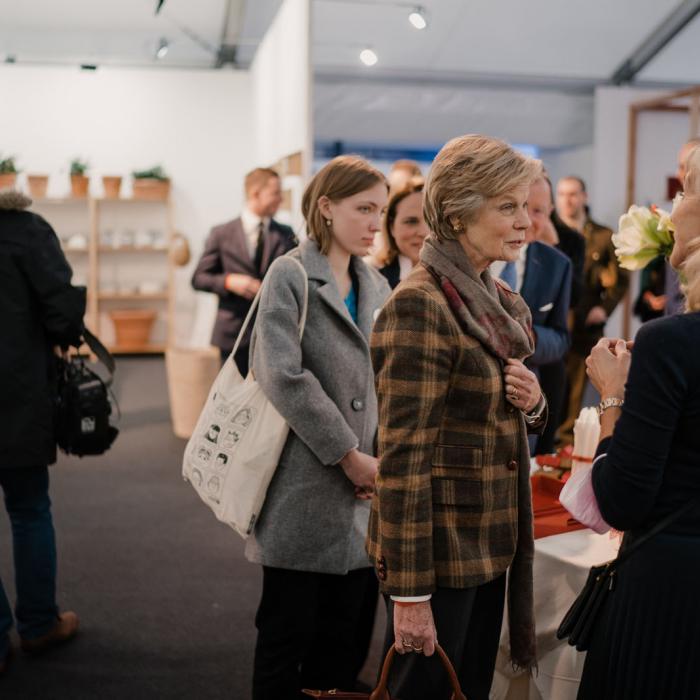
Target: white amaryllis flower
(643,234)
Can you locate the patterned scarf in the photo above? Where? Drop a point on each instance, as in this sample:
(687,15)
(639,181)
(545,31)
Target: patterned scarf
(500,320)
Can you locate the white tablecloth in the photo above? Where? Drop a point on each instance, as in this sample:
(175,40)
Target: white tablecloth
(561,567)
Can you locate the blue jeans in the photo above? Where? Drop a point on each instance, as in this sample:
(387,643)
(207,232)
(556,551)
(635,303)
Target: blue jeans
(34,547)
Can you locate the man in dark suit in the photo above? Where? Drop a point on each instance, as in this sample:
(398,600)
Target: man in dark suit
(543,279)
(570,242)
(605,284)
(236,257)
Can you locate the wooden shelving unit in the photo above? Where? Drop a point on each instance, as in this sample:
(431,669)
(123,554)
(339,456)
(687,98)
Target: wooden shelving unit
(100,266)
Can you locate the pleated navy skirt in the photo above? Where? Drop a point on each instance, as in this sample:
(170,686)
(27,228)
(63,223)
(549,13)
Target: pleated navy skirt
(646,644)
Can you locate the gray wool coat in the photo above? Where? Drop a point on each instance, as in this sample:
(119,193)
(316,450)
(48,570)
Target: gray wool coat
(324,388)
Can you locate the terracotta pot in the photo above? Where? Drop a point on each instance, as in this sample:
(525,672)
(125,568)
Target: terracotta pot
(79,185)
(112,184)
(150,188)
(38,185)
(7,180)
(132,327)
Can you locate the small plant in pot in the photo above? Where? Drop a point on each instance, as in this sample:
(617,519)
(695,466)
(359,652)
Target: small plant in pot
(112,185)
(151,184)
(8,172)
(79,181)
(38,185)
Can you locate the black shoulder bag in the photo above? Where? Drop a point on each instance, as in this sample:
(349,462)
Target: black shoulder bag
(580,619)
(83,405)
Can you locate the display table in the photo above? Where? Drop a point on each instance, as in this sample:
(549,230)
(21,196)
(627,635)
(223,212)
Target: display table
(561,567)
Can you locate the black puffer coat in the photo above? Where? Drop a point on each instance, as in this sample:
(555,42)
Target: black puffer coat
(39,309)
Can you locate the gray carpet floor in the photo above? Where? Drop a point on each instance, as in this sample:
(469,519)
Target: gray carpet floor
(165,596)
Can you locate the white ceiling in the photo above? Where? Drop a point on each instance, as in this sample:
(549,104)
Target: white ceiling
(124,33)
(523,70)
(562,39)
(568,41)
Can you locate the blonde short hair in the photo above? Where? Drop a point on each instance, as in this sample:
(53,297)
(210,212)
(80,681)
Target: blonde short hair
(467,172)
(342,177)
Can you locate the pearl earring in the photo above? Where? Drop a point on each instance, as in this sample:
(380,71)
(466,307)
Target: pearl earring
(328,222)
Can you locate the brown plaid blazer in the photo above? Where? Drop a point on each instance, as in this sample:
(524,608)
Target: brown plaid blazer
(445,510)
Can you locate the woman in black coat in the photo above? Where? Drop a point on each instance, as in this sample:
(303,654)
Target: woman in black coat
(403,232)
(39,309)
(646,643)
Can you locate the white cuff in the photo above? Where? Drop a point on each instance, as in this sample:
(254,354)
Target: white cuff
(411,598)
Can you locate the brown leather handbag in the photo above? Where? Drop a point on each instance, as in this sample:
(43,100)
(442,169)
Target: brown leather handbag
(380,692)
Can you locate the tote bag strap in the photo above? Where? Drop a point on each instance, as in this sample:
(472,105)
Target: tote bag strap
(256,301)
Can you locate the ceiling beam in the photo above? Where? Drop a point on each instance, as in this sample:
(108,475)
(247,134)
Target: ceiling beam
(661,35)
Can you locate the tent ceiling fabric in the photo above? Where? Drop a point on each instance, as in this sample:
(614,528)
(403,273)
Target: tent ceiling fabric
(538,38)
(124,33)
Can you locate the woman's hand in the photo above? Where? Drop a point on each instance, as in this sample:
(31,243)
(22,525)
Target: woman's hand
(522,388)
(361,469)
(608,366)
(414,628)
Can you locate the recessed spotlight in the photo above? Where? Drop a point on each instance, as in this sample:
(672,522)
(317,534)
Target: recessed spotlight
(418,19)
(368,57)
(162,49)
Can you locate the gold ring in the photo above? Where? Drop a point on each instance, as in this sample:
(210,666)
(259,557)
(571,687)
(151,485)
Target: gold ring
(416,648)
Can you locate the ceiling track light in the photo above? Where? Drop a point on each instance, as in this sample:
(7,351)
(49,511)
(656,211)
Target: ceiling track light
(418,18)
(162,49)
(368,56)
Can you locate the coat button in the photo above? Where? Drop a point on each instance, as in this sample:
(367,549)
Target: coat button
(357,404)
(512,465)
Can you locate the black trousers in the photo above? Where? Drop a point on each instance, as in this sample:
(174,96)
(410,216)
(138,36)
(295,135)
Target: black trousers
(553,383)
(468,623)
(309,627)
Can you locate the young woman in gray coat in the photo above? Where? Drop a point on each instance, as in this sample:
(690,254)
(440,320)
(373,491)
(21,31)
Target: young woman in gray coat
(318,588)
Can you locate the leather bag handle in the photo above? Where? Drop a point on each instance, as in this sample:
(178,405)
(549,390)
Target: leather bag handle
(381,692)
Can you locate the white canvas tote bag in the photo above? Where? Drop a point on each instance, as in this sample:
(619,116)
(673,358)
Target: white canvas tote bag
(237,442)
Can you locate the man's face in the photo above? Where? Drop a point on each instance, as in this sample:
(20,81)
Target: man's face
(266,200)
(539,208)
(571,199)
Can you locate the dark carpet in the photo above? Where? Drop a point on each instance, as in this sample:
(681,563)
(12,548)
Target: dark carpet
(165,596)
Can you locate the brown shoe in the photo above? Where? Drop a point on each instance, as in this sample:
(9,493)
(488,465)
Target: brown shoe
(65,629)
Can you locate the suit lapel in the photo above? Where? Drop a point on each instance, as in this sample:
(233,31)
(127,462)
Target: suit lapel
(533,273)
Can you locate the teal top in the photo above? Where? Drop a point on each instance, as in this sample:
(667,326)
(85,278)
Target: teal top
(351,302)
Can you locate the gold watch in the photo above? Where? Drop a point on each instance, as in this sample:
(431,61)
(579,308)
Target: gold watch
(611,402)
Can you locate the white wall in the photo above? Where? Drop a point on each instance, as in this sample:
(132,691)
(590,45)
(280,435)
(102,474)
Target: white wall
(561,162)
(197,124)
(659,137)
(281,73)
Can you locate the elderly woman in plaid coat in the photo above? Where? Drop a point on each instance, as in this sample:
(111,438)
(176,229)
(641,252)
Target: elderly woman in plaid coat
(452,511)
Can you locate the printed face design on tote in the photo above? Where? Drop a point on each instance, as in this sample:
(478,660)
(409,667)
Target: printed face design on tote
(244,417)
(204,455)
(213,484)
(231,437)
(213,433)
(196,477)
(221,461)
(222,411)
